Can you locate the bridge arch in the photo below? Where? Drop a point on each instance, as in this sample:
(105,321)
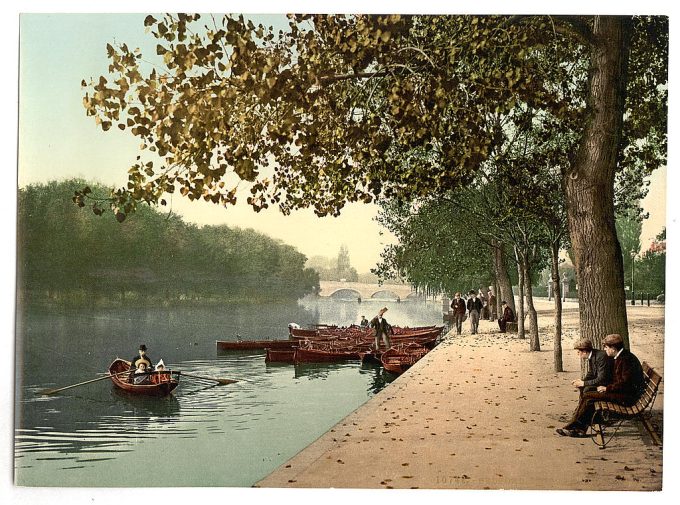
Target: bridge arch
(385,294)
(345,294)
(415,295)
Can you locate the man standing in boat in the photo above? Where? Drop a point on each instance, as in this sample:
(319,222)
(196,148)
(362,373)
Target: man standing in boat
(382,329)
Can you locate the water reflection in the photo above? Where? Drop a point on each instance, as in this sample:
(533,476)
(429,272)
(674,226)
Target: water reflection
(379,378)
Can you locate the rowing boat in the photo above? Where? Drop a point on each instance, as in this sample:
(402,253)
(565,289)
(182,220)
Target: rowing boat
(279,356)
(399,359)
(158,383)
(230,345)
(354,331)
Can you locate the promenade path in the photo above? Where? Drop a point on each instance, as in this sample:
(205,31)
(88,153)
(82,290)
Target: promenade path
(480,412)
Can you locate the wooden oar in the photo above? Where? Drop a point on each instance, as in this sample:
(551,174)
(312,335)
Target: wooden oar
(52,391)
(219,381)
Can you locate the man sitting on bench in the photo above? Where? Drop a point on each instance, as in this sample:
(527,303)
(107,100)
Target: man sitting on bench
(626,387)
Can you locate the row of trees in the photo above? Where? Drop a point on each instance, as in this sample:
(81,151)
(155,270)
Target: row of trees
(65,253)
(509,111)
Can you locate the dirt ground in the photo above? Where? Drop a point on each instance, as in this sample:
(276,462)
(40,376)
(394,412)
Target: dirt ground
(480,412)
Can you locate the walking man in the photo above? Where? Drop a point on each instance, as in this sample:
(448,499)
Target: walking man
(474,306)
(382,329)
(458,306)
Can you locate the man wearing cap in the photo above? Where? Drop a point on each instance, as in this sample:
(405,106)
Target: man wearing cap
(382,329)
(474,306)
(599,367)
(625,388)
(508,317)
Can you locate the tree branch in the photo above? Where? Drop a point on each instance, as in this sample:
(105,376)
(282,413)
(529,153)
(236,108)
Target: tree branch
(354,75)
(572,26)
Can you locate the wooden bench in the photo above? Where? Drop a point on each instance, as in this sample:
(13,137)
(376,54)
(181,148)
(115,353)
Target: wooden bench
(511,327)
(609,416)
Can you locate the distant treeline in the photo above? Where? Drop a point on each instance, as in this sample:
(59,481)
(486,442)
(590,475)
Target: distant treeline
(69,254)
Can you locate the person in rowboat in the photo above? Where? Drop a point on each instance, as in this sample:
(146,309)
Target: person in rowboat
(140,375)
(142,357)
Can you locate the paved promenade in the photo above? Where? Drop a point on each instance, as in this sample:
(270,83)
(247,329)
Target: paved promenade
(480,412)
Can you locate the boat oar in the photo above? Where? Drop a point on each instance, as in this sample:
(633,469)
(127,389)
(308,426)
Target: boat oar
(219,381)
(107,376)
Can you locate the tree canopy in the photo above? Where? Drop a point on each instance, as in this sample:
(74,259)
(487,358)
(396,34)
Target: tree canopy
(341,109)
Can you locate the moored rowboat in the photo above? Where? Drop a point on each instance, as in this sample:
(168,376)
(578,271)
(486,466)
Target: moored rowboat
(159,383)
(399,359)
(231,345)
(280,356)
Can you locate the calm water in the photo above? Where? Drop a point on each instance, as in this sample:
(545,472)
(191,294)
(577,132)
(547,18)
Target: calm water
(202,435)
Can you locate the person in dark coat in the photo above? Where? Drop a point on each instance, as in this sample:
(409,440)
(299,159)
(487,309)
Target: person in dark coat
(626,386)
(382,329)
(458,306)
(474,306)
(599,367)
(491,302)
(507,317)
(142,357)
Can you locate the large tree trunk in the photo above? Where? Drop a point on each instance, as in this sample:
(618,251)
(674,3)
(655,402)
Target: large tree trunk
(504,285)
(589,188)
(557,295)
(534,342)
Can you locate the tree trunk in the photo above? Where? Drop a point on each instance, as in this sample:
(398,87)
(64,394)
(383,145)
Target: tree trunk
(534,342)
(589,188)
(503,279)
(520,298)
(497,309)
(557,295)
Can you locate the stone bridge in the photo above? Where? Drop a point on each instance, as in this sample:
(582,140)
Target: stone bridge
(355,290)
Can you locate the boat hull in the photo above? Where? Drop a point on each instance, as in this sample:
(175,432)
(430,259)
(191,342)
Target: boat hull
(280,356)
(226,345)
(160,383)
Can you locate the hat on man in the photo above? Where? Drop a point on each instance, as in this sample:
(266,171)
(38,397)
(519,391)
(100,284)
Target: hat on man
(142,348)
(613,340)
(584,345)
(504,302)
(383,310)
(472,292)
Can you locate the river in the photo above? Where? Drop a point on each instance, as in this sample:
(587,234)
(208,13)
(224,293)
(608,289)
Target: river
(201,435)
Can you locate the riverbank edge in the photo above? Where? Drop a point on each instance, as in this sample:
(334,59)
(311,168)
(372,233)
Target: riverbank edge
(389,426)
